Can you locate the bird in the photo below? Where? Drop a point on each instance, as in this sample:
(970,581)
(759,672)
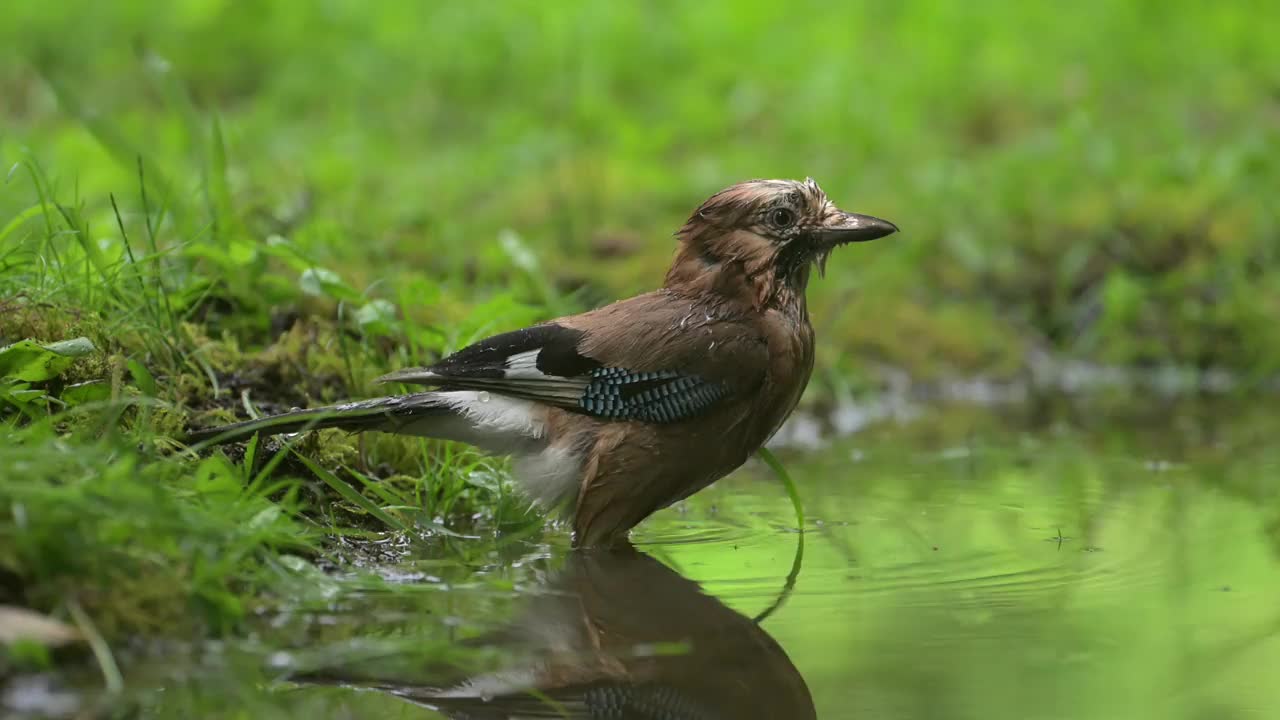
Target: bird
(615,413)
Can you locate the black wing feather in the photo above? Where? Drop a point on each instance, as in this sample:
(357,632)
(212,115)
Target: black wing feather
(488,358)
(567,378)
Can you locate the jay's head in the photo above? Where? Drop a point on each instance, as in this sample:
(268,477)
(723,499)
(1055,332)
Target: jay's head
(765,235)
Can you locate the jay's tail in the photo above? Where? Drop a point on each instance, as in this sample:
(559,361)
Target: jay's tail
(389,414)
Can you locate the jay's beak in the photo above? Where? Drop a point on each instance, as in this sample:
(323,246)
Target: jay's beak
(843,227)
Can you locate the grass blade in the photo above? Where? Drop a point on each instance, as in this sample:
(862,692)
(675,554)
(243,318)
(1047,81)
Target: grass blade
(352,495)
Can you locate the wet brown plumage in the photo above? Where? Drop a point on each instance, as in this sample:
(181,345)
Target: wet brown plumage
(623,410)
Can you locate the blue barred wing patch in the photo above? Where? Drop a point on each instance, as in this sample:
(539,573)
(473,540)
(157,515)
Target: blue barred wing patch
(661,396)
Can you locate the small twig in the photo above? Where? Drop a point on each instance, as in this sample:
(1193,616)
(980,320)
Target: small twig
(98,644)
(789,585)
(776,466)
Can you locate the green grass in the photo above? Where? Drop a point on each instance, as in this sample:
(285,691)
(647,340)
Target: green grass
(268,206)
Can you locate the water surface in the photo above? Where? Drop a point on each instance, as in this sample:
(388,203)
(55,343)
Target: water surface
(1086,564)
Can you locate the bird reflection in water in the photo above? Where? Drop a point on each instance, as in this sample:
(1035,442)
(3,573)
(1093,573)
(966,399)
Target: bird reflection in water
(617,634)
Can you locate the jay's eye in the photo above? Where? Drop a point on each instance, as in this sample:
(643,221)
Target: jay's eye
(781,217)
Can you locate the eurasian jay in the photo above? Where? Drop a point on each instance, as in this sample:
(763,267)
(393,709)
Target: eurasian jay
(618,412)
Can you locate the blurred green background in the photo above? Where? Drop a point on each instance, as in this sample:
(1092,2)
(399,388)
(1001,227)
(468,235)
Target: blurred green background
(250,206)
(1093,181)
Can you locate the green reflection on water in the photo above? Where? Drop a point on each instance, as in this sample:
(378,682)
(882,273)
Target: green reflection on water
(1056,574)
(953,569)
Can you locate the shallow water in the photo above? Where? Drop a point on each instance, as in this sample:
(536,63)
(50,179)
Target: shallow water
(963,565)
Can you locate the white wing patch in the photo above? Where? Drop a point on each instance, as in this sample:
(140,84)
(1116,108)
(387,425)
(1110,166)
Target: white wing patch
(525,365)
